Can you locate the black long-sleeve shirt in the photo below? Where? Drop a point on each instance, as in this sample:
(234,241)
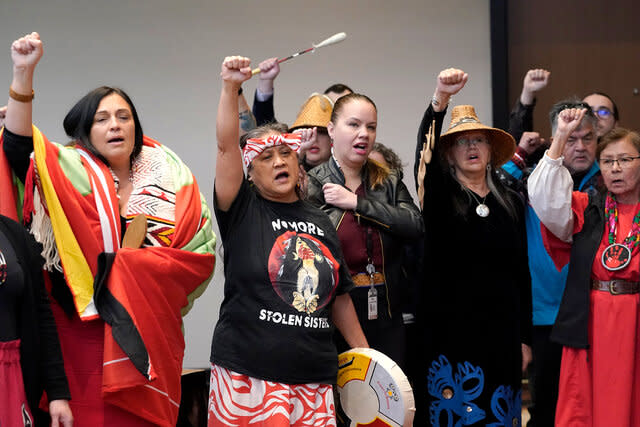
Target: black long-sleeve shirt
(40,354)
(18,148)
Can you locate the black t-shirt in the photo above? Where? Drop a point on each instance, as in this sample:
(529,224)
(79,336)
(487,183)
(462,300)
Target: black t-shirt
(283,268)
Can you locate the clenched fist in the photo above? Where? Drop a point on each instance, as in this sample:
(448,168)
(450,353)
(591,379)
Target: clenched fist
(26,51)
(236,69)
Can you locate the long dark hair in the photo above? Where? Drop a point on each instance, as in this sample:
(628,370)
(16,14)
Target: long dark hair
(79,120)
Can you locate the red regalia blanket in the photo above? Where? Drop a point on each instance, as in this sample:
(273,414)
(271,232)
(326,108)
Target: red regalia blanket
(141,294)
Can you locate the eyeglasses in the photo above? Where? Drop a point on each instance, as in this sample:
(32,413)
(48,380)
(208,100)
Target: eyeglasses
(467,142)
(623,162)
(603,112)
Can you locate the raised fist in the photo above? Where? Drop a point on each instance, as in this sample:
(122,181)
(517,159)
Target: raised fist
(236,69)
(536,80)
(530,141)
(26,51)
(450,81)
(269,69)
(569,120)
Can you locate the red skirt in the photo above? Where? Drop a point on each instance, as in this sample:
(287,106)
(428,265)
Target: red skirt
(14,409)
(239,400)
(82,350)
(600,386)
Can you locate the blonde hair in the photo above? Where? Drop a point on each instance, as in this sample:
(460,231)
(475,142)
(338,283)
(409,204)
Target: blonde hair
(377,173)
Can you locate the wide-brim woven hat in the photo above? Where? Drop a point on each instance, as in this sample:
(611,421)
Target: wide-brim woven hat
(316,111)
(464,118)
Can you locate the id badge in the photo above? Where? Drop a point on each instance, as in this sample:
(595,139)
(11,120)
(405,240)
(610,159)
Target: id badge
(373,304)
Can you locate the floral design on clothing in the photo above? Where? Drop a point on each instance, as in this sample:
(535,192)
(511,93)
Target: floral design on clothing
(454,394)
(506,407)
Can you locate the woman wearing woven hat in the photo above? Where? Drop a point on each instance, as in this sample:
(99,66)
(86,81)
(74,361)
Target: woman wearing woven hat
(315,114)
(475,308)
(598,320)
(374,215)
(286,284)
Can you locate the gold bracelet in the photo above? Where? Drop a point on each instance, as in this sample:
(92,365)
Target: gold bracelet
(20,97)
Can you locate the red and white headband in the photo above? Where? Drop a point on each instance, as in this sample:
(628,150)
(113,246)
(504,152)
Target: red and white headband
(255,146)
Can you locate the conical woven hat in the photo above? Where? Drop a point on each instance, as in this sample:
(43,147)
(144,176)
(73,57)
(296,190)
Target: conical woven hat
(464,118)
(315,112)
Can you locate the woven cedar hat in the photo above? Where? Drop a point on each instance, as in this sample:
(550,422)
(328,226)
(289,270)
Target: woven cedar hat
(464,118)
(316,111)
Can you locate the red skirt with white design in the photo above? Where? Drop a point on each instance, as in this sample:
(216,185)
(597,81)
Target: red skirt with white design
(239,400)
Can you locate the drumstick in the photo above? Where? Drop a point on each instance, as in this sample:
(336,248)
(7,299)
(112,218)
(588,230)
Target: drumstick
(336,38)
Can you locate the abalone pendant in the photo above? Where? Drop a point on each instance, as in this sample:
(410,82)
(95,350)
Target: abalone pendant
(482,210)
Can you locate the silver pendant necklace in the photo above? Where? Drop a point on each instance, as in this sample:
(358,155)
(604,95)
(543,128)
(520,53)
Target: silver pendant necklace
(482,210)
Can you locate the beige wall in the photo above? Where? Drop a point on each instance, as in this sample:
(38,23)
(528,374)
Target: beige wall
(166,54)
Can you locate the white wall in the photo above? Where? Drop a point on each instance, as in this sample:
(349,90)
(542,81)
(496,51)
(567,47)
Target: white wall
(166,54)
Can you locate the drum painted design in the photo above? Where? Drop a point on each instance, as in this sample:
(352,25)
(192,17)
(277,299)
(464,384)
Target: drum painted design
(373,390)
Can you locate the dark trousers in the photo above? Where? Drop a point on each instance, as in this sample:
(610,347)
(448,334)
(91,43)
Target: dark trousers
(544,377)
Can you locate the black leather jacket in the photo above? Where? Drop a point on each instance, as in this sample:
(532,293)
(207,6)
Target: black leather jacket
(389,207)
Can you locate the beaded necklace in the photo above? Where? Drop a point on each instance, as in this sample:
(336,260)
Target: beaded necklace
(618,255)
